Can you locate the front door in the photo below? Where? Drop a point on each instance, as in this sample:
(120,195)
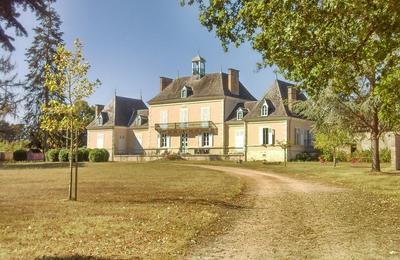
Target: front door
(184,142)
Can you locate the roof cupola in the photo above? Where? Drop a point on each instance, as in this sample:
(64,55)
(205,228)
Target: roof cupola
(198,66)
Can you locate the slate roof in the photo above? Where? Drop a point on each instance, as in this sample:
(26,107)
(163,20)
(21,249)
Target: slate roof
(119,112)
(144,114)
(213,85)
(276,98)
(248,106)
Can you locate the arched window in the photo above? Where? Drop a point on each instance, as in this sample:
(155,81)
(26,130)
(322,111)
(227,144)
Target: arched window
(264,109)
(184,92)
(239,114)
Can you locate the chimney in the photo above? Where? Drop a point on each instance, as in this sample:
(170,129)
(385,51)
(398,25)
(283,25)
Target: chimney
(164,82)
(233,81)
(98,109)
(292,96)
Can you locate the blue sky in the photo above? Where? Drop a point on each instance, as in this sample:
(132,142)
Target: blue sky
(131,43)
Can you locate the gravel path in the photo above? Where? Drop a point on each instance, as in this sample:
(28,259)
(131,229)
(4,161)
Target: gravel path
(294,219)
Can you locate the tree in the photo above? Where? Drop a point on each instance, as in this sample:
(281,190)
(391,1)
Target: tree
(8,85)
(284,145)
(349,46)
(69,80)
(9,15)
(47,37)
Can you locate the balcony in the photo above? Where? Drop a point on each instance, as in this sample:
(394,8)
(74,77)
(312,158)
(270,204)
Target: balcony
(187,127)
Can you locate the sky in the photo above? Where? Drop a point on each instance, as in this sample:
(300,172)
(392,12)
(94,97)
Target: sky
(131,43)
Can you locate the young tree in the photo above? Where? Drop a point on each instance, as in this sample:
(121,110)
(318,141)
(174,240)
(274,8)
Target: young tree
(48,37)
(9,15)
(349,46)
(69,80)
(330,140)
(284,145)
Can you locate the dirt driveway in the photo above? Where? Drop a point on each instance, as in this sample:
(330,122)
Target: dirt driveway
(294,219)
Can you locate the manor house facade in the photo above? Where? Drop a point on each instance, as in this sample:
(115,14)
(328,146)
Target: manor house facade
(204,115)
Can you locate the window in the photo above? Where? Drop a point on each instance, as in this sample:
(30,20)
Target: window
(184,92)
(100,141)
(205,116)
(183,116)
(239,114)
(163,140)
(300,137)
(205,140)
(264,109)
(99,120)
(164,119)
(239,141)
(267,136)
(139,120)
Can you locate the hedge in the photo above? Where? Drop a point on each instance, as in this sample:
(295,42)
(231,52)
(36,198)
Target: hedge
(20,155)
(99,155)
(52,155)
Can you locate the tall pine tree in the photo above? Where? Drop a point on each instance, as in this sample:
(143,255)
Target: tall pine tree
(47,38)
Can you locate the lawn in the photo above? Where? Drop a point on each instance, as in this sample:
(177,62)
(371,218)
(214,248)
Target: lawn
(353,176)
(124,210)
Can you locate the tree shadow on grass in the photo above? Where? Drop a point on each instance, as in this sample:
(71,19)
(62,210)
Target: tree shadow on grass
(205,202)
(72,257)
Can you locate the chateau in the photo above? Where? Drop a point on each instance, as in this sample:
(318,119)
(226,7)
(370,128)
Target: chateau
(204,115)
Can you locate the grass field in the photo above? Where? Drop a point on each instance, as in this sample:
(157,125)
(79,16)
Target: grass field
(152,210)
(354,176)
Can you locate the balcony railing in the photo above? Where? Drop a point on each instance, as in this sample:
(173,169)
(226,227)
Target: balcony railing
(187,127)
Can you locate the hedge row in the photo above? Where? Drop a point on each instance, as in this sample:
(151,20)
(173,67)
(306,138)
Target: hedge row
(84,155)
(342,156)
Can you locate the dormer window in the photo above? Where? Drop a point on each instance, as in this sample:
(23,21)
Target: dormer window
(264,109)
(184,92)
(100,120)
(138,120)
(239,114)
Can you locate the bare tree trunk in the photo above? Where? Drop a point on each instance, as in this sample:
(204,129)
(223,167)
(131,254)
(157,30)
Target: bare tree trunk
(376,165)
(71,149)
(334,157)
(76,166)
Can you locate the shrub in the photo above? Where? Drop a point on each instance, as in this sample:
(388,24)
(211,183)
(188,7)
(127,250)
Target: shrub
(99,155)
(63,155)
(364,155)
(20,155)
(342,156)
(52,155)
(83,154)
(173,157)
(304,156)
(385,155)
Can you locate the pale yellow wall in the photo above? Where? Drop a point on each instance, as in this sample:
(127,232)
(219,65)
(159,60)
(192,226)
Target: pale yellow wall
(257,151)
(107,139)
(386,141)
(121,133)
(134,135)
(194,115)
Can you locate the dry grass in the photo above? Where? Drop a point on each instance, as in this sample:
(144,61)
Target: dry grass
(362,222)
(152,210)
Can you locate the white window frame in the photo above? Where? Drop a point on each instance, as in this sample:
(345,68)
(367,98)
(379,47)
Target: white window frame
(100,137)
(184,92)
(163,118)
(264,109)
(163,141)
(267,136)
(239,138)
(205,116)
(239,114)
(206,139)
